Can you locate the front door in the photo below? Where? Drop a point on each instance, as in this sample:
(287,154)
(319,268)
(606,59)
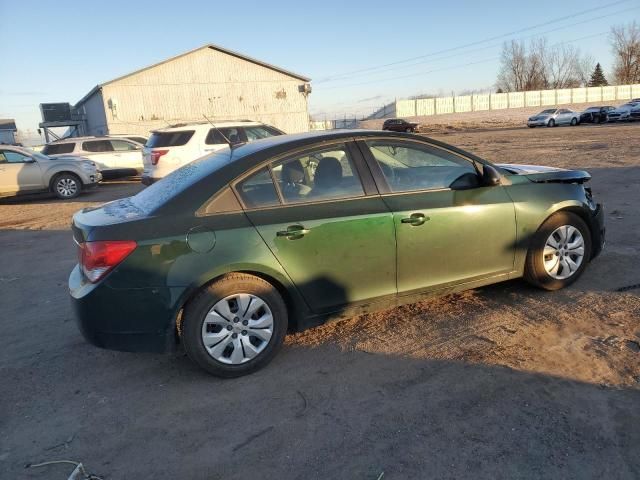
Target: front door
(449,228)
(19,172)
(128,155)
(332,235)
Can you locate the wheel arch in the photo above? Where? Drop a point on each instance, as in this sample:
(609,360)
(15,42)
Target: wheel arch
(294,303)
(57,174)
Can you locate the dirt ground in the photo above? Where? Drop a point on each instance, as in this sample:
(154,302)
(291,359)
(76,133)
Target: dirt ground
(500,382)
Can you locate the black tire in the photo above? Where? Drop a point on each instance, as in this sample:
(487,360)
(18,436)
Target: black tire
(552,123)
(531,126)
(574,122)
(409,130)
(534,271)
(66,186)
(198,308)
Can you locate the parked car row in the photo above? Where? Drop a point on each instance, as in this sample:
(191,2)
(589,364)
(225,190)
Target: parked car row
(553,117)
(68,166)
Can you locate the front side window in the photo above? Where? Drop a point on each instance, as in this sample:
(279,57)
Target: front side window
(325,174)
(122,146)
(258,191)
(9,156)
(256,133)
(411,166)
(97,146)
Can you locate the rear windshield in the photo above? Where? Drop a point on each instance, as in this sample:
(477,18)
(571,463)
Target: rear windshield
(169,139)
(58,148)
(156,195)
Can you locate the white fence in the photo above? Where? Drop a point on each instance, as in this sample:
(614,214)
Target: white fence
(498,101)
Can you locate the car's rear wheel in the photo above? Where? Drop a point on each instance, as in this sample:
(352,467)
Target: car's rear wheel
(552,123)
(408,130)
(235,325)
(66,186)
(559,252)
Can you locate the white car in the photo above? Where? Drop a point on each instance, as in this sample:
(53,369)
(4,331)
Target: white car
(170,148)
(115,156)
(628,111)
(24,171)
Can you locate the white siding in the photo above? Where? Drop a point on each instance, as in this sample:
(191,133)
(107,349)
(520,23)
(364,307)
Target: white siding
(204,82)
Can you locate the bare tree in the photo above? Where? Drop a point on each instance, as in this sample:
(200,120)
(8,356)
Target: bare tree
(542,66)
(625,43)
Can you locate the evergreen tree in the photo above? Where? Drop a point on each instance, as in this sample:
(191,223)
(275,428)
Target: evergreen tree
(597,78)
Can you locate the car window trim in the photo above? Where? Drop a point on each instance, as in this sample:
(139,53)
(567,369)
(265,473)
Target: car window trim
(291,154)
(376,169)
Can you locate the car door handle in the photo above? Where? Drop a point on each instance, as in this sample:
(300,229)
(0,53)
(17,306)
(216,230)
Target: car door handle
(293,232)
(415,220)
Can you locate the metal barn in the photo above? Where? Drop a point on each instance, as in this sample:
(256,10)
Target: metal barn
(211,81)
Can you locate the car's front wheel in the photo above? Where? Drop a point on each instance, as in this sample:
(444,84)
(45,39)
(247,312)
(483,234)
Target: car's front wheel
(559,252)
(574,122)
(235,325)
(552,123)
(66,186)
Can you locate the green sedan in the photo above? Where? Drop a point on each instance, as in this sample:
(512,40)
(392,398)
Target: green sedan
(226,255)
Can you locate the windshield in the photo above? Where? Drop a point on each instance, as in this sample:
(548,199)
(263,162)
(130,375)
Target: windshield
(592,109)
(547,112)
(156,195)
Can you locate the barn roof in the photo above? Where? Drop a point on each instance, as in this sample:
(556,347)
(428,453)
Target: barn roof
(208,45)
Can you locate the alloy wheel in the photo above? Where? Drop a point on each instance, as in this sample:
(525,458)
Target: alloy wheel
(563,252)
(66,187)
(237,329)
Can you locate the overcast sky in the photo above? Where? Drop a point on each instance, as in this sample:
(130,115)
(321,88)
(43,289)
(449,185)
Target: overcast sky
(355,52)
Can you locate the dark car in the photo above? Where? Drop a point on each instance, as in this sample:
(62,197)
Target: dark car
(399,125)
(596,114)
(228,253)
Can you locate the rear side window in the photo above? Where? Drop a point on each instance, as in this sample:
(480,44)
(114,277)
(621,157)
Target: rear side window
(58,148)
(122,146)
(97,146)
(216,136)
(169,139)
(258,190)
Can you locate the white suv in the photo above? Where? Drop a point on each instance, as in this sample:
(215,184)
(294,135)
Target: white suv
(170,148)
(115,156)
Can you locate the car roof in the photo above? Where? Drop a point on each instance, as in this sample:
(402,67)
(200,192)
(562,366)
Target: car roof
(90,137)
(205,125)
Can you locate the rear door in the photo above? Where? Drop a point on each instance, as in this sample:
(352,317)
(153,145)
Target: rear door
(101,152)
(128,155)
(319,213)
(449,228)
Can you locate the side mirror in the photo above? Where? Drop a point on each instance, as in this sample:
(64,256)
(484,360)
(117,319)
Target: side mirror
(30,160)
(490,176)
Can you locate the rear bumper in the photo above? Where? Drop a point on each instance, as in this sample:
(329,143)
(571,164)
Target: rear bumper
(129,320)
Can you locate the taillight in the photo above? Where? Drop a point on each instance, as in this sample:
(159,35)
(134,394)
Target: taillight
(156,154)
(99,258)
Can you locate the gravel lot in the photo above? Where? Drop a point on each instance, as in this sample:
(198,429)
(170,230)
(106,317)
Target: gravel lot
(500,382)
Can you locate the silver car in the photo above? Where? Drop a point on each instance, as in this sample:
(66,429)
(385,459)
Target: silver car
(553,117)
(25,171)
